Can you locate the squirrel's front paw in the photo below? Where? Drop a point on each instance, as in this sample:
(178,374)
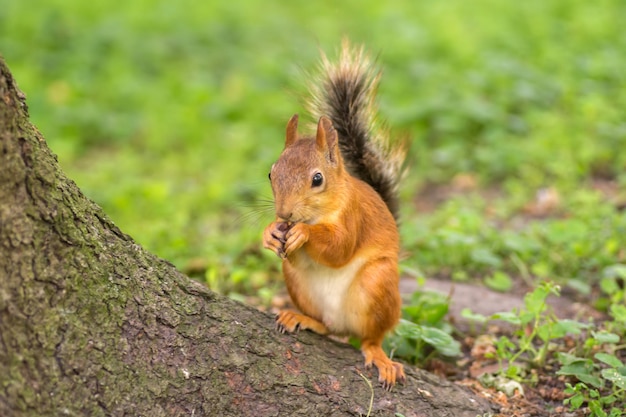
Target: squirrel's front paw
(274,237)
(297,236)
(290,321)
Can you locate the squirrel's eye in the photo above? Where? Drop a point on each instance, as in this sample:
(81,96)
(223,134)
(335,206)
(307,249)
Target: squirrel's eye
(317,180)
(269,176)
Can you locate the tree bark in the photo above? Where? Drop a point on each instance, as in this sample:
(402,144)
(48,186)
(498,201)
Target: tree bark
(93,325)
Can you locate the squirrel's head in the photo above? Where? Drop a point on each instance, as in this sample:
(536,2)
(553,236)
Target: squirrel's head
(308,178)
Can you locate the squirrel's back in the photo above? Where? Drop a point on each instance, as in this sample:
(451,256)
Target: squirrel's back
(345,92)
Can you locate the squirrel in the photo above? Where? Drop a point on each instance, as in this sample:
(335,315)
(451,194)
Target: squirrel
(336,203)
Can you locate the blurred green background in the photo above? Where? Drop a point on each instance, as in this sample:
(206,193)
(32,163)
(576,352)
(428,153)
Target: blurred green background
(169,115)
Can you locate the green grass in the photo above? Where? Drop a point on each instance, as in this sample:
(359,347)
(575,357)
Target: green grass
(169,115)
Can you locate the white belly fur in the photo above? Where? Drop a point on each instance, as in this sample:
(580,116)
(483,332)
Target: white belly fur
(328,288)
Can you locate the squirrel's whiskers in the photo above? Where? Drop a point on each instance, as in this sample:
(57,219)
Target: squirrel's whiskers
(255,210)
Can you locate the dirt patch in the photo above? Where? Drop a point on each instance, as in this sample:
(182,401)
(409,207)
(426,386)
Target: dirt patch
(484,301)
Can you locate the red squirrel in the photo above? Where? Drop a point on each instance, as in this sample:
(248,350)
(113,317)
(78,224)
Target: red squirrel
(335,196)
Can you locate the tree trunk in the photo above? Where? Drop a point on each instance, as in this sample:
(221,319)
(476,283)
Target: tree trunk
(93,325)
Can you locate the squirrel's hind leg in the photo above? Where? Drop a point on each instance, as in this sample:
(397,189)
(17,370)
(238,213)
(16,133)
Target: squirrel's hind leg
(379,281)
(290,321)
(388,371)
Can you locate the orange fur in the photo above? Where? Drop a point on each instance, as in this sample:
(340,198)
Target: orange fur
(339,247)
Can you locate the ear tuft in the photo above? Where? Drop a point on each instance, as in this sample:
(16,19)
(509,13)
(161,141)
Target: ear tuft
(292,131)
(326,139)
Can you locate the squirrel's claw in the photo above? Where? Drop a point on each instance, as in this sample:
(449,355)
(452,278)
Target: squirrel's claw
(297,236)
(290,321)
(389,372)
(287,321)
(274,239)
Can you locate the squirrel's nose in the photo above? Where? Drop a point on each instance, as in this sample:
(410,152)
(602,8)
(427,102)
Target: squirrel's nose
(284,216)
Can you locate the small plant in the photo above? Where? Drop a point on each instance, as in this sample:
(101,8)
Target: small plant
(612,286)
(602,377)
(423,330)
(597,403)
(600,373)
(536,327)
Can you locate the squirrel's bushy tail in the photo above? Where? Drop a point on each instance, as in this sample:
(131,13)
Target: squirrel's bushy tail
(345,91)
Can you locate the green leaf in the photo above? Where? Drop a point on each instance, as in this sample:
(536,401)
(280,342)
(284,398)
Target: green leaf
(504,345)
(580,286)
(519,243)
(541,269)
(438,339)
(426,307)
(582,371)
(535,300)
(468,314)
(616,377)
(576,368)
(434,313)
(596,409)
(499,281)
(615,271)
(408,330)
(441,341)
(566,326)
(605,337)
(509,317)
(575,401)
(609,285)
(610,360)
(486,257)
(590,379)
(567,359)
(618,312)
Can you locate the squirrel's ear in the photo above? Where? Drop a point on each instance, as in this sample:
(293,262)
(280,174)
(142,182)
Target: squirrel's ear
(292,131)
(326,139)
